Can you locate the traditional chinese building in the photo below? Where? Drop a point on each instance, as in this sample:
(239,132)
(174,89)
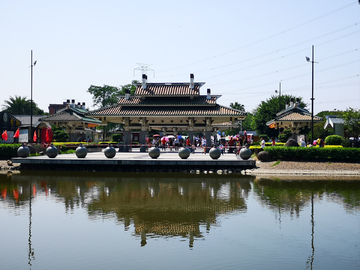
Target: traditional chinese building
(170,108)
(74,120)
(294,118)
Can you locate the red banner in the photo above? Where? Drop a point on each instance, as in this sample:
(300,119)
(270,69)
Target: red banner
(4,136)
(35,136)
(17,133)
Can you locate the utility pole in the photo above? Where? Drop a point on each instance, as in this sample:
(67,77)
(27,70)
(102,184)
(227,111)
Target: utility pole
(279,95)
(312,61)
(30,139)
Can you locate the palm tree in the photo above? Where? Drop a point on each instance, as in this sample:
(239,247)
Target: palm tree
(20,105)
(237,106)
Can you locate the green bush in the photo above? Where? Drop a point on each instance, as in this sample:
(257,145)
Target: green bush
(9,150)
(314,153)
(346,142)
(116,137)
(265,137)
(334,140)
(285,136)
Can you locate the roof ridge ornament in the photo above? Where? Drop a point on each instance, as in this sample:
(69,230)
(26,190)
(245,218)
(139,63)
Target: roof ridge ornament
(192,83)
(144,81)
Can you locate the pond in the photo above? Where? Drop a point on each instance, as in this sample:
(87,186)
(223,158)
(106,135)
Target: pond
(66,220)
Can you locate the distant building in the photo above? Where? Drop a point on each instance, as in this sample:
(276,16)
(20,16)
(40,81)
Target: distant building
(54,108)
(11,122)
(336,123)
(72,118)
(294,118)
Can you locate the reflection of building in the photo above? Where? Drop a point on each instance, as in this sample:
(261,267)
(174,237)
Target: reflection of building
(161,208)
(158,206)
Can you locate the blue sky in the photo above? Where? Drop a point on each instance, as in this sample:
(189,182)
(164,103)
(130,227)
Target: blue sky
(242,50)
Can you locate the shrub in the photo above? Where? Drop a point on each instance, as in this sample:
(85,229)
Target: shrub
(334,140)
(9,150)
(116,137)
(283,138)
(314,153)
(346,143)
(265,137)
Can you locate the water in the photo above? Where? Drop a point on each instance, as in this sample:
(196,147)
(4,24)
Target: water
(52,220)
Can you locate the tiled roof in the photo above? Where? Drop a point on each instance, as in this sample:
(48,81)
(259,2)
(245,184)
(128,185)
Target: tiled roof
(158,101)
(128,111)
(296,116)
(168,89)
(337,120)
(26,119)
(66,116)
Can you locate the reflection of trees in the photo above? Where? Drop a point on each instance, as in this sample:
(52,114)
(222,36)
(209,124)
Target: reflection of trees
(168,207)
(293,195)
(159,205)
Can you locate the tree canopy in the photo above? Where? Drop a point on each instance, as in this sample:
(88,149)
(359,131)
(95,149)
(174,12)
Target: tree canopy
(21,105)
(267,111)
(109,95)
(352,121)
(237,106)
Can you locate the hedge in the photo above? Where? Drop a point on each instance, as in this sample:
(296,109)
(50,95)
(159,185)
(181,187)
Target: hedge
(9,150)
(314,153)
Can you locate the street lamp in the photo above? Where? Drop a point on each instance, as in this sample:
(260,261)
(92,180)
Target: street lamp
(32,64)
(279,95)
(312,91)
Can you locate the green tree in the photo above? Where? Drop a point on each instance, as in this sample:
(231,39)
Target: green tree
(104,95)
(247,123)
(238,106)
(59,135)
(267,111)
(21,105)
(352,122)
(109,95)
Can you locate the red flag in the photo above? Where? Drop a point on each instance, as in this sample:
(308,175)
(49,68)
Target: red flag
(3,193)
(4,136)
(35,136)
(17,133)
(16,194)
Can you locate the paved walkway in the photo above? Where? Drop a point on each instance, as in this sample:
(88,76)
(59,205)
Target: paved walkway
(135,161)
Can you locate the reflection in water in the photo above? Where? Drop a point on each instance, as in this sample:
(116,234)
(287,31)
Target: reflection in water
(310,260)
(31,255)
(295,195)
(172,206)
(292,196)
(186,207)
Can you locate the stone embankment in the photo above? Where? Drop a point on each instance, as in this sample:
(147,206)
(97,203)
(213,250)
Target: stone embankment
(300,170)
(268,169)
(7,165)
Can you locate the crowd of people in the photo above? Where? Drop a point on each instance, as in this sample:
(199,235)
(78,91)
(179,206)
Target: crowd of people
(173,143)
(232,144)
